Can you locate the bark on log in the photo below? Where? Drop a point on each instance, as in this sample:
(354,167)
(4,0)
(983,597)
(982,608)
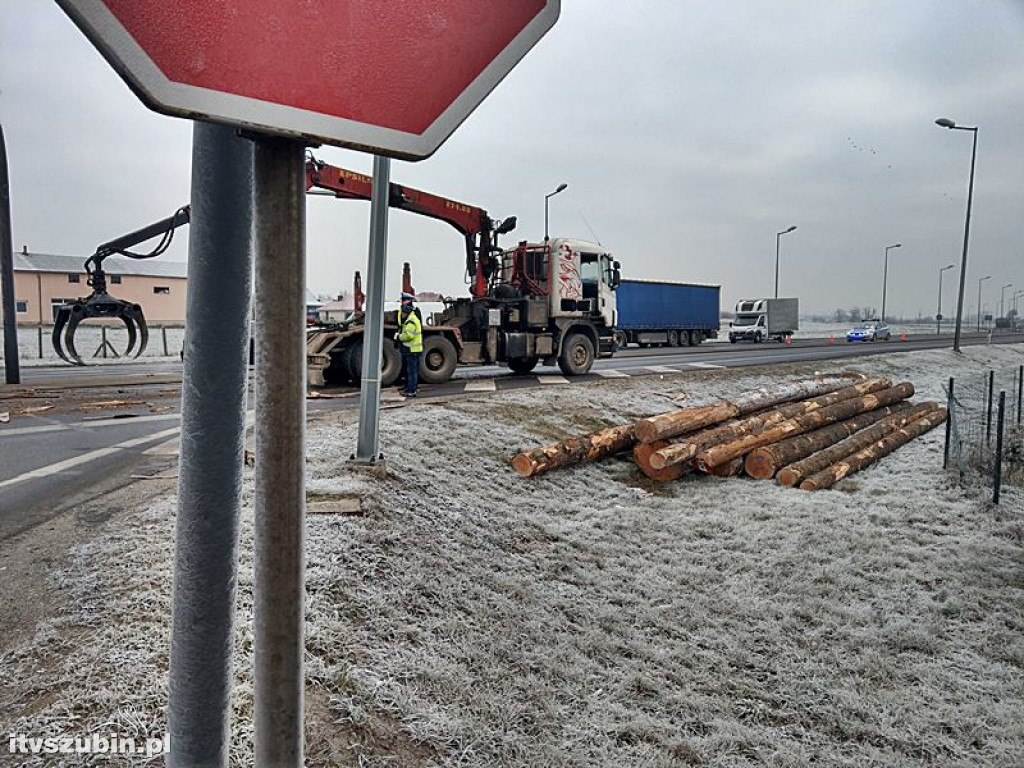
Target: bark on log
(720,454)
(793,473)
(868,456)
(691,419)
(642,453)
(575,450)
(684,449)
(762,463)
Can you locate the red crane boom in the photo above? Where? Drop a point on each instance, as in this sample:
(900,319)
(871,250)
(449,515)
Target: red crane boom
(477,227)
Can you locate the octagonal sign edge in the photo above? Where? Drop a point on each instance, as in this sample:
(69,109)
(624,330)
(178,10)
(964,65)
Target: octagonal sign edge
(412,139)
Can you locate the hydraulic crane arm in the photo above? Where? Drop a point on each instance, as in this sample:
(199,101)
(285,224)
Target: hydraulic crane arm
(477,227)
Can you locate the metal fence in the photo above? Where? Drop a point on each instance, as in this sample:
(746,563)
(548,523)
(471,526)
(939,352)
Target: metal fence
(985,436)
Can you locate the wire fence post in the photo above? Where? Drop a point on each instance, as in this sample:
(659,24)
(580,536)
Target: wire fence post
(40,329)
(988,408)
(949,410)
(997,471)
(1020,388)
(163,334)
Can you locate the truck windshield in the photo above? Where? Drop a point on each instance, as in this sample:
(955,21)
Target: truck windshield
(742,320)
(590,271)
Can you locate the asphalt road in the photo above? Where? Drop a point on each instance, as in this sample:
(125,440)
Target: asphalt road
(50,460)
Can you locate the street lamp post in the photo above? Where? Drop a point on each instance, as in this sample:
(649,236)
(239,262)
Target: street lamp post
(1016,316)
(938,310)
(1002,295)
(947,123)
(980,280)
(560,188)
(778,237)
(885,275)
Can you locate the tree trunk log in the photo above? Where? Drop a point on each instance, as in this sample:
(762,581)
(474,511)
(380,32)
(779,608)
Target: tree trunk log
(869,455)
(684,449)
(793,473)
(575,450)
(762,463)
(691,419)
(720,454)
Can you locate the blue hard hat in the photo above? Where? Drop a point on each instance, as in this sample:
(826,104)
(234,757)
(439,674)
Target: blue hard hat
(408,296)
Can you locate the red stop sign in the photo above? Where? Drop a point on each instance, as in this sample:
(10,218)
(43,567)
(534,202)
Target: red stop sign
(391,77)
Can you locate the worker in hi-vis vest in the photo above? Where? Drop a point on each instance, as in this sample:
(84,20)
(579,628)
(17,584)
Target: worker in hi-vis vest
(410,336)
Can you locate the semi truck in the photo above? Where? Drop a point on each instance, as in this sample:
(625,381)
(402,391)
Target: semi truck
(550,302)
(759,320)
(655,312)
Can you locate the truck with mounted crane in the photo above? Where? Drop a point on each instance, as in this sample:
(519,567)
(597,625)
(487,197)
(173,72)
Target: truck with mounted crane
(550,302)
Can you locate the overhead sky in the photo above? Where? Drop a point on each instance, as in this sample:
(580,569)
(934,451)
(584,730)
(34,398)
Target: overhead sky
(689,134)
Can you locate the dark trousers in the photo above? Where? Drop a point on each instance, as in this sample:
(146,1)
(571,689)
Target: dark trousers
(411,364)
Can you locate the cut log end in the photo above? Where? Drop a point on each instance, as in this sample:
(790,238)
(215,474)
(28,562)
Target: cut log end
(809,485)
(787,477)
(642,453)
(524,465)
(759,465)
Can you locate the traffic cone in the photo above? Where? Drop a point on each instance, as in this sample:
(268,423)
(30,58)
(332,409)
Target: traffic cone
(831,338)
(903,336)
(789,340)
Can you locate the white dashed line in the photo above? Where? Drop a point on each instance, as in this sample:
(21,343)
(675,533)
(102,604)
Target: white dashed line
(484,385)
(612,374)
(661,369)
(553,379)
(85,458)
(704,365)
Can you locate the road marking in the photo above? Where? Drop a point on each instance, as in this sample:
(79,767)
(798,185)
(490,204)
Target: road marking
(552,379)
(662,368)
(88,424)
(611,373)
(704,365)
(85,458)
(484,385)
(169,448)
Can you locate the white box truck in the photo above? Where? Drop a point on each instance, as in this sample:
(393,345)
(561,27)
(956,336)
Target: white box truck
(760,320)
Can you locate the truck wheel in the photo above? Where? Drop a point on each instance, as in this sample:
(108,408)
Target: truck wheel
(758,338)
(522,364)
(390,366)
(674,338)
(683,339)
(696,337)
(577,355)
(621,340)
(336,373)
(439,360)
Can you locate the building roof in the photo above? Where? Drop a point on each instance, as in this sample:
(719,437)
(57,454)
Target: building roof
(54,262)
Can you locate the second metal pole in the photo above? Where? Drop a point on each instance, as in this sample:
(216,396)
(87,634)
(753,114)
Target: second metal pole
(368,441)
(280,492)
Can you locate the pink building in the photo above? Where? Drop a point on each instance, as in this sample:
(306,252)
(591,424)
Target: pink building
(44,281)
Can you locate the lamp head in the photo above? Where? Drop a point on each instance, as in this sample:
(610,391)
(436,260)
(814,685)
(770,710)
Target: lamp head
(790,229)
(950,266)
(945,122)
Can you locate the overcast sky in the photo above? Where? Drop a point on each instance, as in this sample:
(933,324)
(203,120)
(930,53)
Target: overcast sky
(689,133)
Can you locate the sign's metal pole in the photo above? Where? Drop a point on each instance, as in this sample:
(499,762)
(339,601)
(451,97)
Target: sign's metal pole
(212,445)
(368,441)
(280,493)
(12,366)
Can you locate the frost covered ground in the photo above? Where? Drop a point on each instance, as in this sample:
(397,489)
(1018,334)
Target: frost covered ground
(588,617)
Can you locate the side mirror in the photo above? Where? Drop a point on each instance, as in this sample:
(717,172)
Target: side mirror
(616,265)
(616,276)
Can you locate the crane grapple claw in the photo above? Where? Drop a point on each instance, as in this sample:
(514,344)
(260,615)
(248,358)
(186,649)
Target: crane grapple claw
(101,306)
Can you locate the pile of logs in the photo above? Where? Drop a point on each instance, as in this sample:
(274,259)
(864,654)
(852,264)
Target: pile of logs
(810,433)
